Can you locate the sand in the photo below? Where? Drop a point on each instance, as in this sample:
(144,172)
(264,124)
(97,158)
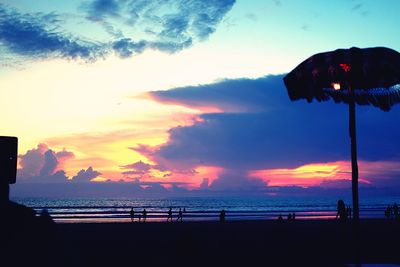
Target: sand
(233,243)
(239,243)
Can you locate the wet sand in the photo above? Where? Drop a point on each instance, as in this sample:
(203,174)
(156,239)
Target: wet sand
(236,243)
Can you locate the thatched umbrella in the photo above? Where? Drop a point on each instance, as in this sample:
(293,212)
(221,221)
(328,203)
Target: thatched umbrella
(363,76)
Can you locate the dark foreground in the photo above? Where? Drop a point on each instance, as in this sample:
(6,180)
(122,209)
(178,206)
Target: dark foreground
(237,243)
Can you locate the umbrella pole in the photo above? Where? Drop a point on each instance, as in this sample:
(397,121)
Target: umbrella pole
(354,165)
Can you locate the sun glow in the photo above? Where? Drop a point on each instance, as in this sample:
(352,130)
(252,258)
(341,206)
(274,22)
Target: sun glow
(306,175)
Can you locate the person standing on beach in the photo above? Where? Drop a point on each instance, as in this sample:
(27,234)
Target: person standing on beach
(169,217)
(144,215)
(387,212)
(341,211)
(396,211)
(132,213)
(180,215)
(222,216)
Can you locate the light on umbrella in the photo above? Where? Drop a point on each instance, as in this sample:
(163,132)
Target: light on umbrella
(369,76)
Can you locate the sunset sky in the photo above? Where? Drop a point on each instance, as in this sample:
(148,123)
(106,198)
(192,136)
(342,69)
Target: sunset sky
(188,95)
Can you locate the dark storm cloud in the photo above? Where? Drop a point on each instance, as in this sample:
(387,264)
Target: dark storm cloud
(35,35)
(230,95)
(282,134)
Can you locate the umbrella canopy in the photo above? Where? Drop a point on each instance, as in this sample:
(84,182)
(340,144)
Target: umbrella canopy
(373,74)
(363,76)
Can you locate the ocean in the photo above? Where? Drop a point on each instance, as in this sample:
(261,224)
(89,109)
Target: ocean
(198,208)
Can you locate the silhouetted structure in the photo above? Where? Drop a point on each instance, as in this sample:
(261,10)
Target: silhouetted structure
(23,235)
(363,76)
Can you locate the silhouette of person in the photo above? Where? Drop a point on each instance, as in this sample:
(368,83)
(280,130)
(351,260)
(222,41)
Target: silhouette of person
(169,217)
(222,216)
(132,213)
(280,218)
(293,216)
(289,217)
(341,211)
(387,212)
(180,215)
(144,215)
(396,211)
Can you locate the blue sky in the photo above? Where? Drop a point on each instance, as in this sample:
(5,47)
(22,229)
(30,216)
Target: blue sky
(187,94)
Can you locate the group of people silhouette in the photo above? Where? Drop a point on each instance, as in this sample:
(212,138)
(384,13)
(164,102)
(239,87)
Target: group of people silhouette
(290,217)
(392,212)
(179,217)
(141,216)
(343,213)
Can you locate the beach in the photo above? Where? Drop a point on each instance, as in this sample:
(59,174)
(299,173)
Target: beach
(233,243)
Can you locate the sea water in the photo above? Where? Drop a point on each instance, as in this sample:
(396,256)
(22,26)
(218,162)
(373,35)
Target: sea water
(199,208)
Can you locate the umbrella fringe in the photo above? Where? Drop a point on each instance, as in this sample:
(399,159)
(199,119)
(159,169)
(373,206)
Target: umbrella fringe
(383,98)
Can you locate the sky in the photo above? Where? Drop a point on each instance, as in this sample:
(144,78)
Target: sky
(185,97)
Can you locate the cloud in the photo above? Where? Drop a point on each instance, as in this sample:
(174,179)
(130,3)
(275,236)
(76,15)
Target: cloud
(42,161)
(85,175)
(50,163)
(36,36)
(168,25)
(100,9)
(234,180)
(130,27)
(45,165)
(259,128)
(139,168)
(280,134)
(240,95)
(204,184)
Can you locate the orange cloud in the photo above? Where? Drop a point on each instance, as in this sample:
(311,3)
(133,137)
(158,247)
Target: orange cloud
(195,106)
(106,151)
(316,173)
